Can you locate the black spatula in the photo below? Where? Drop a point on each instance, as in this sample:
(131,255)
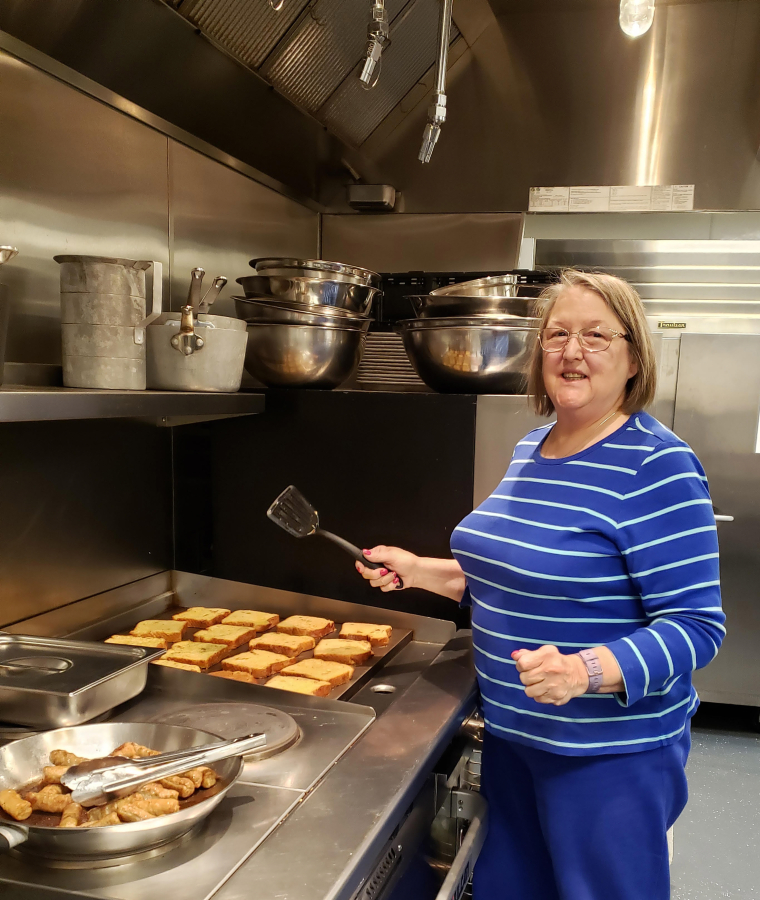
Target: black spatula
(293,513)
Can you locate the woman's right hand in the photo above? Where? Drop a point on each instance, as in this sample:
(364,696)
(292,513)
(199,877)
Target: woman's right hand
(399,566)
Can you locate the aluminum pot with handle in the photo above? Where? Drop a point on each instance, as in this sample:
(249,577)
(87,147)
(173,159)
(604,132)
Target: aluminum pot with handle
(21,762)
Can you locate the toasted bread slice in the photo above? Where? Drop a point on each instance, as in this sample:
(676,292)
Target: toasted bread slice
(287,644)
(160,628)
(377,635)
(252,618)
(231,636)
(197,654)
(201,616)
(352,653)
(300,685)
(258,663)
(175,665)
(313,626)
(333,673)
(234,676)
(133,641)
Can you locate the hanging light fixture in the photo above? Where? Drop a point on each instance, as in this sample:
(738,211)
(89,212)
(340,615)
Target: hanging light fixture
(636,16)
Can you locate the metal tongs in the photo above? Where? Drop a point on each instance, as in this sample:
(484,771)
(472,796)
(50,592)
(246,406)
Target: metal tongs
(99,781)
(378,33)
(437,111)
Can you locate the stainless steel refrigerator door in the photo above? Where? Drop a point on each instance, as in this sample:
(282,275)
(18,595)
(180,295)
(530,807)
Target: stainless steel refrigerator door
(717,412)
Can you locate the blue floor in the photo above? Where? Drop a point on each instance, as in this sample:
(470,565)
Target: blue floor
(717,838)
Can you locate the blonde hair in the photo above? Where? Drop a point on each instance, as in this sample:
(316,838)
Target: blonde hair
(625,302)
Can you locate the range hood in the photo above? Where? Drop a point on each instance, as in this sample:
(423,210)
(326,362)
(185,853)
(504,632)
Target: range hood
(311,51)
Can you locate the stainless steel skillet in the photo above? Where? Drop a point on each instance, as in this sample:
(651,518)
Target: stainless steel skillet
(21,763)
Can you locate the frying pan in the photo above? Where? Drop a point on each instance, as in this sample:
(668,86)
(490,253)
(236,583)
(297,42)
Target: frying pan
(21,763)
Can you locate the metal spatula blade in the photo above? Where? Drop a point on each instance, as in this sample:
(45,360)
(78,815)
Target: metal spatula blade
(294,514)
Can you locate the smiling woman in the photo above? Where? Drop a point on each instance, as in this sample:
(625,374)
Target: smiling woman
(592,571)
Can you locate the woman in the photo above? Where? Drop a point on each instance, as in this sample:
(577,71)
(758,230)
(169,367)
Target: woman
(592,571)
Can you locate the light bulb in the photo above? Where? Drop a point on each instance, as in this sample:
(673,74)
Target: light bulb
(636,16)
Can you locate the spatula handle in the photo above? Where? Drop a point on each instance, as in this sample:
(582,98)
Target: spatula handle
(353,551)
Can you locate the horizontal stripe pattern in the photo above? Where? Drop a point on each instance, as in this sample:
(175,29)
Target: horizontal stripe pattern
(614,546)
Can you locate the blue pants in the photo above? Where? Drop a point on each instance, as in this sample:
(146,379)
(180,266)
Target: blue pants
(578,827)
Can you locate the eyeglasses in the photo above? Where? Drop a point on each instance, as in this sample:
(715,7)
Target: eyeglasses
(591,339)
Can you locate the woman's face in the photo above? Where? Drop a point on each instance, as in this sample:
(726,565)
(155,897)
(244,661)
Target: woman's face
(575,379)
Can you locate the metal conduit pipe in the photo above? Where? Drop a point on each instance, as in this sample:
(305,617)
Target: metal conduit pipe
(378,33)
(437,111)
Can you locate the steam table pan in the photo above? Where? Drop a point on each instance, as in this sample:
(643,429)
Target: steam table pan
(55,683)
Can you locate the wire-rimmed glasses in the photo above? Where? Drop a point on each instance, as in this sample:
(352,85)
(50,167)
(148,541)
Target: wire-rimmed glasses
(595,339)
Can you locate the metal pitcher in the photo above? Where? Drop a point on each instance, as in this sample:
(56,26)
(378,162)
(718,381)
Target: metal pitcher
(104,318)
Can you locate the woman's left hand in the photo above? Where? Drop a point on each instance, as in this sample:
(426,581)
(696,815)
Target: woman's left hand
(550,676)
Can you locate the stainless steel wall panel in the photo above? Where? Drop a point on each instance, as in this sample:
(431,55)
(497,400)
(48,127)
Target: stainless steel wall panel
(431,243)
(75,177)
(220,220)
(352,112)
(327,44)
(717,408)
(249,29)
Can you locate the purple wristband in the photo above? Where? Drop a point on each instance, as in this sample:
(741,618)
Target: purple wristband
(594,669)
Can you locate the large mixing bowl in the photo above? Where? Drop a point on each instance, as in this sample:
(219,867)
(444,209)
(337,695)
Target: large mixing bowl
(493,286)
(315,268)
(436,306)
(304,356)
(469,356)
(326,295)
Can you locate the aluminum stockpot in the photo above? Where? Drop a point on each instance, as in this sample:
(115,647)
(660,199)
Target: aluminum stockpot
(315,268)
(477,356)
(434,306)
(21,763)
(251,310)
(321,292)
(508,285)
(304,356)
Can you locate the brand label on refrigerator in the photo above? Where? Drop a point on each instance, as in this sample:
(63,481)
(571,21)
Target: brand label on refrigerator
(612,198)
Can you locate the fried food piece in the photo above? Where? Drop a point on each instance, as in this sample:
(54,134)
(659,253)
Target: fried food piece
(300,685)
(160,628)
(50,799)
(257,663)
(313,626)
(131,750)
(64,758)
(175,665)
(377,635)
(321,670)
(130,812)
(201,776)
(53,774)
(235,676)
(154,789)
(183,786)
(133,641)
(201,616)
(102,812)
(231,636)
(155,806)
(197,654)
(286,644)
(14,804)
(252,618)
(352,653)
(72,815)
(111,819)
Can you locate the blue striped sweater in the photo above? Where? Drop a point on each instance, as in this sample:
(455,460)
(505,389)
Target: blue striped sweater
(614,546)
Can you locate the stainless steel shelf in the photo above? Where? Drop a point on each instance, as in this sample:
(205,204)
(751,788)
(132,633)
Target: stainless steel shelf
(37,404)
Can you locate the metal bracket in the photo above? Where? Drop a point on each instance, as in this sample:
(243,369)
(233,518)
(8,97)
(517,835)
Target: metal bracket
(186,341)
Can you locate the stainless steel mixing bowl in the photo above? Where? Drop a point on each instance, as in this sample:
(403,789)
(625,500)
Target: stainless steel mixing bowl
(306,356)
(434,306)
(315,268)
(472,356)
(260,309)
(493,286)
(311,292)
